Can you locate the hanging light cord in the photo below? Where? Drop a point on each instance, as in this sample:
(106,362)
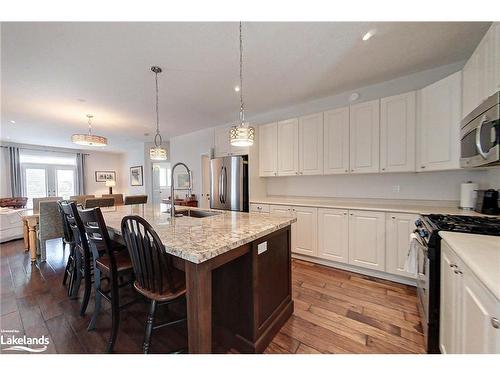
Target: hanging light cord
(90,123)
(157,115)
(242,109)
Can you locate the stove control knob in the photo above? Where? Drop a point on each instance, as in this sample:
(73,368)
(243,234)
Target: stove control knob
(418,223)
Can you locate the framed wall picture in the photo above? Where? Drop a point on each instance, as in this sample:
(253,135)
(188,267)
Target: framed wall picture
(136,178)
(103,176)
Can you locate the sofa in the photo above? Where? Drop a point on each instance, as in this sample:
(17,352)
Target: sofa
(11,224)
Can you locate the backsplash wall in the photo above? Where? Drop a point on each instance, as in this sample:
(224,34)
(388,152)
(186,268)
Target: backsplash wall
(443,185)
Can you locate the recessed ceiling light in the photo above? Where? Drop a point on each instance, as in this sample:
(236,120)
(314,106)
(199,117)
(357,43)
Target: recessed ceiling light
(237,88)
(369,34)
(12,122)
(81,100)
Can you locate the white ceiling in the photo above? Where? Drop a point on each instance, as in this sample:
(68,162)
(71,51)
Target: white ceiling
(53,74)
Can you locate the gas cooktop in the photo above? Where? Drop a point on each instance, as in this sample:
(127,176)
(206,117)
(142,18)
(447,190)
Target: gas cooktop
(467,224)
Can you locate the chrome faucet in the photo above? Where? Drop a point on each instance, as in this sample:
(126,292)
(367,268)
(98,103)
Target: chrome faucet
(172,189)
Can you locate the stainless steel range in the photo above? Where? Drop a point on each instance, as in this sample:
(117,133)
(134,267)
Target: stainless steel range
(429,259)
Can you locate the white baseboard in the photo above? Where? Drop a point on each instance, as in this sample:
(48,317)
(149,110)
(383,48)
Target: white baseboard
(363,271)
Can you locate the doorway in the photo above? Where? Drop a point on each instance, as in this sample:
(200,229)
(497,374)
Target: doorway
(161,181)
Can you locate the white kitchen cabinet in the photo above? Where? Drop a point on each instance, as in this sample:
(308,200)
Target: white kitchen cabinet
(397,133)
(259,208)
(449,302)
(364,145)
(280,210)
(333,234)
(481,73)
(311,144)
(469,313)
(398,226)
(438,126)
(367,239)
(336,141)
(305,231)
(288,147)
(222,143)
(268,149)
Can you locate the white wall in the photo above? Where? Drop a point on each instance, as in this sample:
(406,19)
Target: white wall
(134,157)
(103,161)
(5,191)
(188,149)
(428,186)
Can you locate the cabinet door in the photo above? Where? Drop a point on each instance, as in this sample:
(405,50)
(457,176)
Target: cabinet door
(478,311)
(364,127)
(268,150)
(336,141)
(470,89)
(438,130)
(367,239)
(288,147)
(259,208)
(399,227)
(305,231)
(311,144)
(333,234)
(397,133)
(449,307)
(495,45)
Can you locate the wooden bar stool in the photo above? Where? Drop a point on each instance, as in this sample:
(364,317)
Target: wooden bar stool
(156,278)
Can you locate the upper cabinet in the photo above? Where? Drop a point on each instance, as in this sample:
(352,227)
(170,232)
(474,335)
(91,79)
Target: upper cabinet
(336,141)
(268,151)
(364,137)
(481,73)
(397,133)
(288,147)
(311,144)
(439,114)
(222,144)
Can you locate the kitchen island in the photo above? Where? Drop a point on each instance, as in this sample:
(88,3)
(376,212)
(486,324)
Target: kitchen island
(238,272)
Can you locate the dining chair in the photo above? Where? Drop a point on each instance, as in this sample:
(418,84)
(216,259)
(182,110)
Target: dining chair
(49,225)
(117,197)
(82,262)
(111,262)
(68,239)
(36,202)
(136,199)
(99,202)
(80,199)
(155,277)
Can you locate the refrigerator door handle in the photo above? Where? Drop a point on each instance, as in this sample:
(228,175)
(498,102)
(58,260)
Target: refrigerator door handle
(225,185)
(220,184)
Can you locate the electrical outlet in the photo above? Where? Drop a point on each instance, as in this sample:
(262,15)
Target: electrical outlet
(395,188)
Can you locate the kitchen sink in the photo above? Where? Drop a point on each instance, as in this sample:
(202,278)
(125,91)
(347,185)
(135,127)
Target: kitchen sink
(198,213)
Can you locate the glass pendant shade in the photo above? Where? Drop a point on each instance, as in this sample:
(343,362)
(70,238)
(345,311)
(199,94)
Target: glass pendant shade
(157,153)
(89,140)
(242,135)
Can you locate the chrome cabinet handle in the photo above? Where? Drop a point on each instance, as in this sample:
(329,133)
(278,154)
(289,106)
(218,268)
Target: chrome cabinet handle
(458,272)
(479,148)
(453,265)
(495,323)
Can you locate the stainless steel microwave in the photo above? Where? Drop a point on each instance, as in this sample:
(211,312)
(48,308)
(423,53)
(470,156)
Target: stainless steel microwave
(480,135)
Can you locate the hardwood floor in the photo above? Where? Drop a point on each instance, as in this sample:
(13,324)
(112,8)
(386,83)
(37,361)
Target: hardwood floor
(335,312)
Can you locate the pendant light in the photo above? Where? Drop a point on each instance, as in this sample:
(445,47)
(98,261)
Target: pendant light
(89,139)
(241,135)
(157,152)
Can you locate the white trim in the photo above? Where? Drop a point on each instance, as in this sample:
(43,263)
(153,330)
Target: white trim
(363,271)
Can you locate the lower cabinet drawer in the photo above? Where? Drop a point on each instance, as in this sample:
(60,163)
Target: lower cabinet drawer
(256,207)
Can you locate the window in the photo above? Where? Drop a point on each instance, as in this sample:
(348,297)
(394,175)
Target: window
(164,177)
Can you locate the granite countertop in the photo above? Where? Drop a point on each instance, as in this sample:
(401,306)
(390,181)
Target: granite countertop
(481,254)
(199,239)
(385,205)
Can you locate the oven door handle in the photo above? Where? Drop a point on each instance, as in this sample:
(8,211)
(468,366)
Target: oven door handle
(479,147)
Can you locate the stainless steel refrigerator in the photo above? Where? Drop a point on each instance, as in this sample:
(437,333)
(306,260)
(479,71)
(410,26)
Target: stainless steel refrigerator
(229,183)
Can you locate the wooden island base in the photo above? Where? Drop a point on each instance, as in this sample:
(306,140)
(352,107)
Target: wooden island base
(242,298)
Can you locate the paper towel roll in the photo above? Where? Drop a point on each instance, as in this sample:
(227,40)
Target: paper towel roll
(468,195)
